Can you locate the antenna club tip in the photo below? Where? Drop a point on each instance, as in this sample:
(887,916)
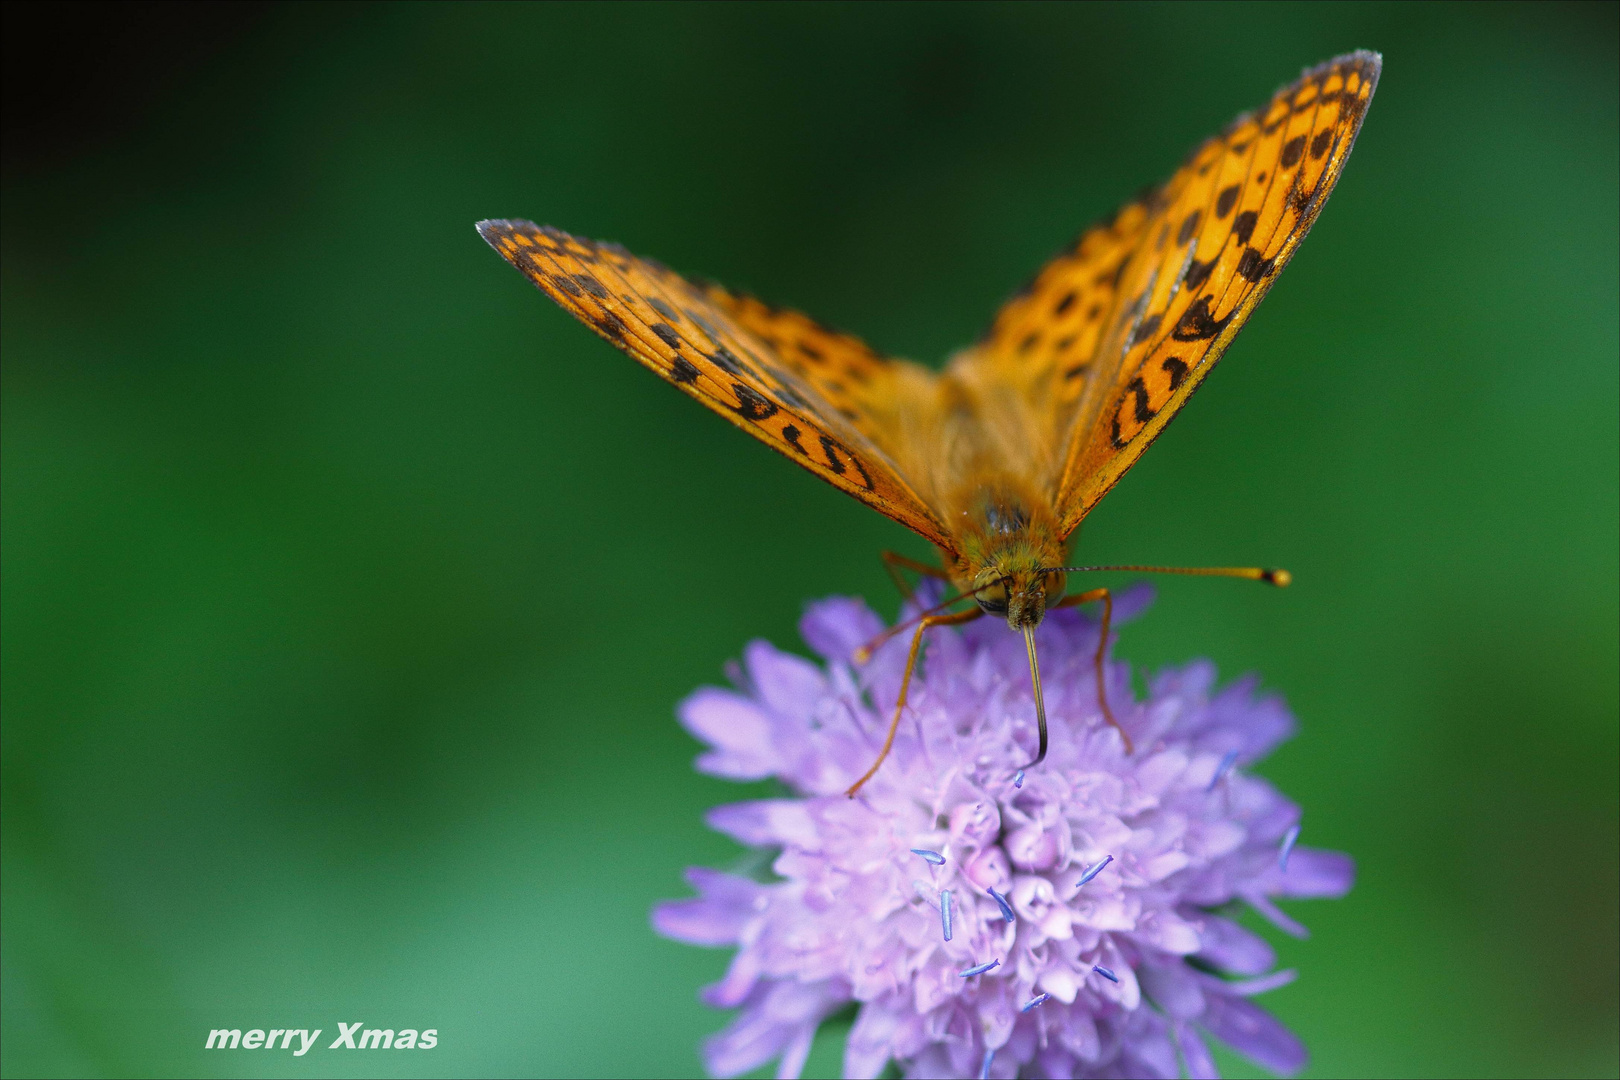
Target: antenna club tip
(1278,577)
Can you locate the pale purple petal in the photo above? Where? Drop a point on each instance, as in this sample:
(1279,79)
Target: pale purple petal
(766,823)
(836,627)
(738,730)
(1255,1034)
(1276,916)
(1226,945)
(787,685)
(1200,1062)
(714,918)
(1313,872)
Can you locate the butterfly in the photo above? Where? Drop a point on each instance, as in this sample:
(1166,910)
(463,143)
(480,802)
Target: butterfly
(998,459)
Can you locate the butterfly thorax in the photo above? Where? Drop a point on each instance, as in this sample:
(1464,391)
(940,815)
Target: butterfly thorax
(1006,539)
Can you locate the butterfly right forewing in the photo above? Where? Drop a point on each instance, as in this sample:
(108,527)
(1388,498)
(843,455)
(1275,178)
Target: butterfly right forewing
(1217,235)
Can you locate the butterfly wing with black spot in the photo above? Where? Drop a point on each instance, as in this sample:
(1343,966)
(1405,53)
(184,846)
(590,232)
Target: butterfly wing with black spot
(1217,235)
(771,387)
(1039,355)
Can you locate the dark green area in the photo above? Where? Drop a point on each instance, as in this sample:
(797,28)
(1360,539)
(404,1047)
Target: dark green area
(349,584)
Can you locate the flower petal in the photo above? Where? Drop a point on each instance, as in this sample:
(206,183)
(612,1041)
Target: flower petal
(788,685)
(766,823)
(1314,872)
(737,729)
(839,625)
(1254,1033)
(1194,1051)
(1225,945)
(717,916)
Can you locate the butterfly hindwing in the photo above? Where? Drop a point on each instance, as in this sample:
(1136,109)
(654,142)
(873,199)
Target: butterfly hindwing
(1043,342)
(688,338)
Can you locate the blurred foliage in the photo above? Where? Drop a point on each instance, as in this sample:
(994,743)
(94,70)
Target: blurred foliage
(349,585)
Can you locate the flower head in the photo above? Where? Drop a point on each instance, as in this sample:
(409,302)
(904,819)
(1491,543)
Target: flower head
(1061,926)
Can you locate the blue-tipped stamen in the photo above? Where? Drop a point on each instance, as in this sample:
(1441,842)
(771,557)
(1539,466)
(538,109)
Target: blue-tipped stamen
(1222,769)
(1105,973)
(932,856)
(1093,872)
(1287,847)
(984,1069)
(1001,902)
(980,969)
(1018,781)
(945,912)
(1035,1002)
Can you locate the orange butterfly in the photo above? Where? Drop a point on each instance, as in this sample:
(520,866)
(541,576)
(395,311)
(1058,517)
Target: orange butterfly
(998,458)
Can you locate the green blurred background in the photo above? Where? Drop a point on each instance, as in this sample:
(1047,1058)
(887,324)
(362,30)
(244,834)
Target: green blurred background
(349,584)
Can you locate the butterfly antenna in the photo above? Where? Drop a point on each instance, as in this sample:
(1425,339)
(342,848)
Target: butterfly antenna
(1040,702)
(1271,575)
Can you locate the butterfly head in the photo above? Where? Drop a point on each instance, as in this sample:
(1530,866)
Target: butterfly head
(1019,593)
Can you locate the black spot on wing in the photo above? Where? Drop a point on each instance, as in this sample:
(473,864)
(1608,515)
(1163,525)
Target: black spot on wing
(1188,227)
(611,325)
(681,371)
(591,285)
(1320,144)
(667,334)
(1176,369)
(1225,201)
(1138,388)
(1243,226)
(751,405)
(663,309)
(839,465)
(1198,324)
(1065,303)
(1029,342)
(1253,267)
(1077,371)
(1198,272)
(811,351)
(791,434)
(1146,329)
(726,360)
(1292,151)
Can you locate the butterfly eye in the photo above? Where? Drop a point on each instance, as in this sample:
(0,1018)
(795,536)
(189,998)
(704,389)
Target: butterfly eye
(1056,584)
(993,598)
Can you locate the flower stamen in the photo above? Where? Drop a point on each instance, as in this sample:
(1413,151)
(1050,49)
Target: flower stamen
(1105,973)
(1001,902)
(1287,847)
(932,856)
(1222,769)
(980,969)
(1035,1002)
(945,912)
(1093,872)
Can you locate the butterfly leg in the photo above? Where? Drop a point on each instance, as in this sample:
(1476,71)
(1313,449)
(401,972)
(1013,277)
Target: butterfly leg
(894,562)
(955,619)
(1102,648)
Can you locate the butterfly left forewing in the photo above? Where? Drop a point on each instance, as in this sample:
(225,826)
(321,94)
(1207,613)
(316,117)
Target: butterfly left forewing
(1219,233)
(674,328)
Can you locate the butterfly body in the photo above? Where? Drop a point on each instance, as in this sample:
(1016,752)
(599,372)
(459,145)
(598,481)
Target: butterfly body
(997,459)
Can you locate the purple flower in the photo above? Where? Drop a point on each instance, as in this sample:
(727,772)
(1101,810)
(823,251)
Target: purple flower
(855,916)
